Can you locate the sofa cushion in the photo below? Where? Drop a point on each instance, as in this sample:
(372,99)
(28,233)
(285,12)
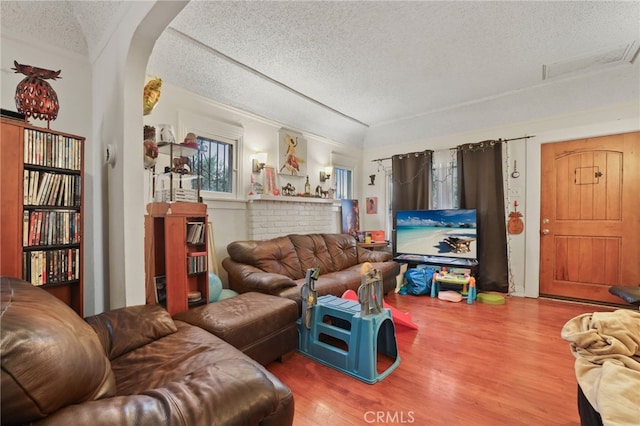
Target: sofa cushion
(189,377)
(260,325)
(277,256)
(51,358)
(313,252)
(201,376)
(125,329)
(227,393)
(343,251)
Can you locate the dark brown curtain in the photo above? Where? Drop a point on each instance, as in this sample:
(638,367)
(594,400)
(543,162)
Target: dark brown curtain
(411,175)
(481,187)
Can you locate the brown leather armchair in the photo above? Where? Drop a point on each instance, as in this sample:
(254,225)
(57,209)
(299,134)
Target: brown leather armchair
(278,266)
(130,366)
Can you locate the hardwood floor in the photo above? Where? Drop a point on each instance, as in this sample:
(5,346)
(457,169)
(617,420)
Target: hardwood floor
(473,364)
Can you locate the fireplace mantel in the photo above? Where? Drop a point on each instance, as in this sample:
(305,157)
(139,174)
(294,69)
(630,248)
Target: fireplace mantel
(291,199)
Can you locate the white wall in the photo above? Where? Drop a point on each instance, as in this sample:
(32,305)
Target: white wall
(74,95)
(118,84)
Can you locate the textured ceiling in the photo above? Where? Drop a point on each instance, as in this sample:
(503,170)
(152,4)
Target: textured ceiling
(379,72)
(81,27)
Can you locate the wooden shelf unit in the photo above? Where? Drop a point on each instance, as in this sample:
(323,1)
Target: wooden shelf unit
(42,237)
(177,250)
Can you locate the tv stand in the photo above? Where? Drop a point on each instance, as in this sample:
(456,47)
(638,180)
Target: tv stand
(413,260)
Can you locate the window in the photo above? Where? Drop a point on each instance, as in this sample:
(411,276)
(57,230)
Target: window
(444,179)
(220,143)
(215,164)
(344,183)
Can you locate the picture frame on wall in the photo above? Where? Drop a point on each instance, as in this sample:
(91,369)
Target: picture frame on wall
(270,180)
(372,205)
(292,153)
(350,217)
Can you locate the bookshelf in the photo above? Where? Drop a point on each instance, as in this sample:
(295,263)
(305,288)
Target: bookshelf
(172,185)
(41,201)
(176,254)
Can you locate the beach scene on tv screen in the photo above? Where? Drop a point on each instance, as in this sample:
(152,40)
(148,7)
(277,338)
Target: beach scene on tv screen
(449,233)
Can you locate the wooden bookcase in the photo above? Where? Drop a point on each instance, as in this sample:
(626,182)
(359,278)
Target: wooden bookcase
(41,201)
(176,251)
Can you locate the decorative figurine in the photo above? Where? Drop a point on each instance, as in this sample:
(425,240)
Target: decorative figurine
(321,193)
(181,166)
(258,189)
(151,95)
(150,148)
(191,140)
(34,96)
(289,189)
(515,224)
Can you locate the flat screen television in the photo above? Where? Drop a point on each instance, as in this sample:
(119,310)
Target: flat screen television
(448,233)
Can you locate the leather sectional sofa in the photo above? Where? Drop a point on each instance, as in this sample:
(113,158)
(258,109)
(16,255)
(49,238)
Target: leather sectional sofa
(278,266)
(130,366)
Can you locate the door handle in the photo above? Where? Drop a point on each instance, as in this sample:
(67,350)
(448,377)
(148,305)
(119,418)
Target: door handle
(545,232)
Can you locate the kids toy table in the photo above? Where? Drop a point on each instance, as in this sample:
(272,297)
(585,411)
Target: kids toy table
(454,278)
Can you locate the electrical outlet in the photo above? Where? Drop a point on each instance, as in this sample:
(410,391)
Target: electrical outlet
(515,192)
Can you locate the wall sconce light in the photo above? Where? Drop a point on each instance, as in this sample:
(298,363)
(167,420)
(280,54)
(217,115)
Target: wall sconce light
(258,162)
(325,174)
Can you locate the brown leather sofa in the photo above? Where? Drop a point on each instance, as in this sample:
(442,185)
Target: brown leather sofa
(130,366)
(278,266)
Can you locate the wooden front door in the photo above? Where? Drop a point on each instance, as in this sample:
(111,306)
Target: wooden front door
(590,217)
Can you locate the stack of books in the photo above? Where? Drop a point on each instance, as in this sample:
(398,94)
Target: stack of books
(179,194)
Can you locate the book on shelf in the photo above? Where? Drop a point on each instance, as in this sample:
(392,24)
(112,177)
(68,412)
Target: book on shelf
(25,227)
(197,253)
(52,189)
(197,262)
(44,228)
(51,227)
(36,237)
(160,283)
(51,266)
(25,186)
(41,186)
(51,150)
(33,178)
(51,195)
(195,232)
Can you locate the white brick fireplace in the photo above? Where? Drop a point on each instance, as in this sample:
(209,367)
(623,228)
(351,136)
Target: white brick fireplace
(270,217)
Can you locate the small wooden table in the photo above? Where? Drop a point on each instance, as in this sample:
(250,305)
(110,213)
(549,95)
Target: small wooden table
(373,245)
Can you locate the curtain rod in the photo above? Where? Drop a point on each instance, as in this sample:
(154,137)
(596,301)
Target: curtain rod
(517,139)
(409,153)
(500,140)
